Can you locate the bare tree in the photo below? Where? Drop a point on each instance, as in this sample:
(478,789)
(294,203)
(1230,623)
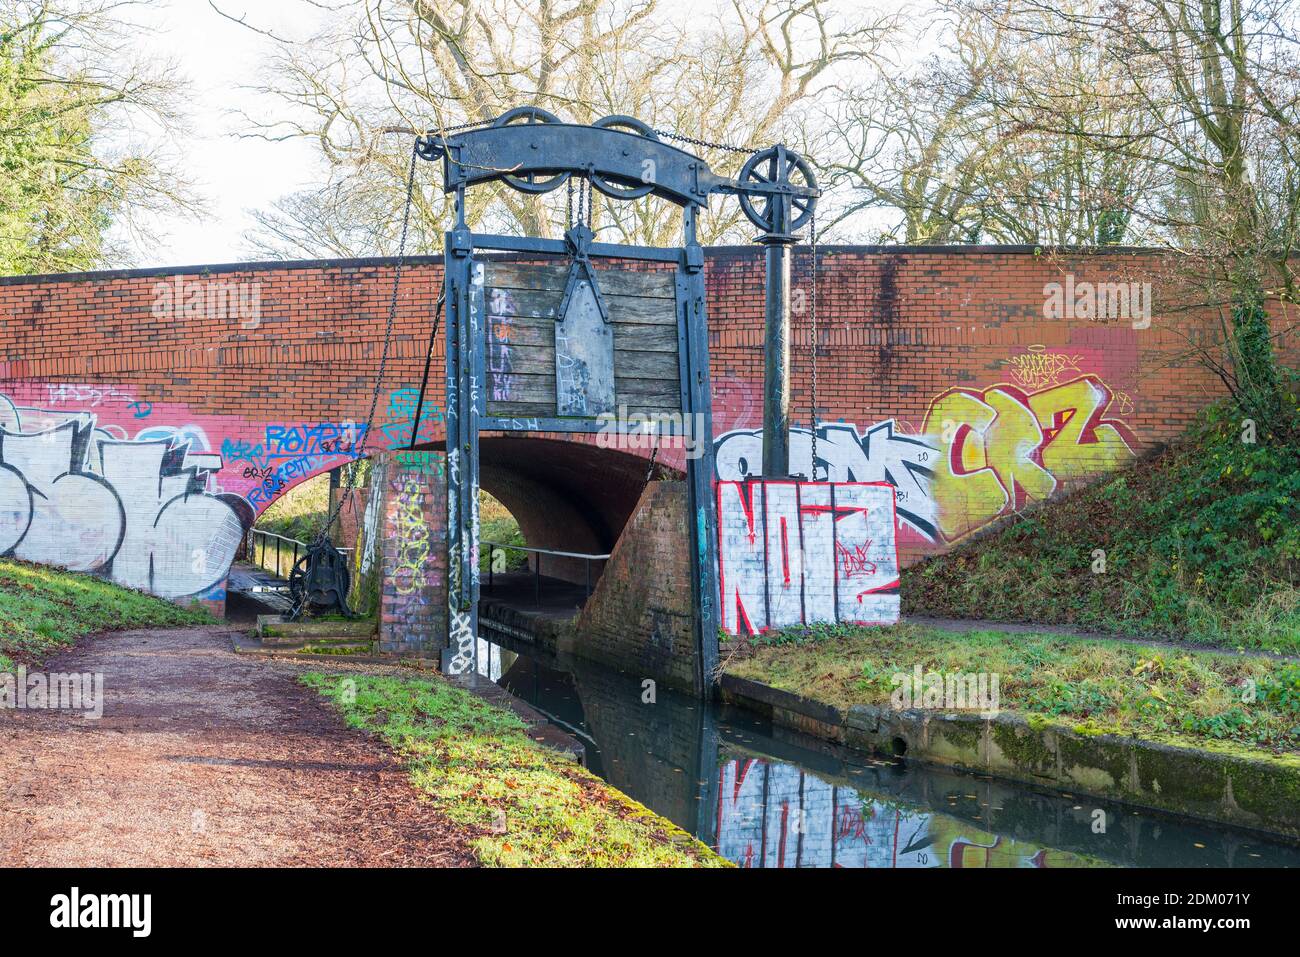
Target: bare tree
(1212,88)
(949,147)
(385,68)
(86,127)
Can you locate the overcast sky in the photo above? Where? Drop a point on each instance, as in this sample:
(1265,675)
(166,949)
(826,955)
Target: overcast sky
(232,174)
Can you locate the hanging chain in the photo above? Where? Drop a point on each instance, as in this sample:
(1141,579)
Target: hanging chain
(693,141)
(383,357)
(812,338)
(443,132)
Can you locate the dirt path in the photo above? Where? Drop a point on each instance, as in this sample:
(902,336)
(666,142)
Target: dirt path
(204,758)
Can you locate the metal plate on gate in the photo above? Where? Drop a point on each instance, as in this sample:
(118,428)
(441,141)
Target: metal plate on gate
(584,357)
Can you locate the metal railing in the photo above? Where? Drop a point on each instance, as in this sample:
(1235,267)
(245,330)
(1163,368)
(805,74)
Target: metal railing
(281,548)
(537,564)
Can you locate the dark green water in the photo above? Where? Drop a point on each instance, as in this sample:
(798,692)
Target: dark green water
(765,797)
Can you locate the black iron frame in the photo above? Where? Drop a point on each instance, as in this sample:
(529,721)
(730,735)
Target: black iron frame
(536,156)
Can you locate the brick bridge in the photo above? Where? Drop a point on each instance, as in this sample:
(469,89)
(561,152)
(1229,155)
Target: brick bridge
(148,416)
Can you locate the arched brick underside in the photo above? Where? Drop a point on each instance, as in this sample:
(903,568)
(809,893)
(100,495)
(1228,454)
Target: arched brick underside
(565,495)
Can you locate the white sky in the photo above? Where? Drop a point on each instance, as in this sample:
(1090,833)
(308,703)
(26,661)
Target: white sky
(233,175)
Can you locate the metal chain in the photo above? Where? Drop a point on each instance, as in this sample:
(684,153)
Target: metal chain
(443,132)
(669,134)
(383,357)
(812,337)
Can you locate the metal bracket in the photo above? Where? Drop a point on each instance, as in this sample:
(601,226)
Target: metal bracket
(579,241)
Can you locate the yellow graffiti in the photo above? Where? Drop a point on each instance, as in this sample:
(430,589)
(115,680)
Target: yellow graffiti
(1002,448)
(967,846)
(1038,369)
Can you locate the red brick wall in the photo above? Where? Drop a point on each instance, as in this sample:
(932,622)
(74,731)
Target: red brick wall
(640,617)
(262,371)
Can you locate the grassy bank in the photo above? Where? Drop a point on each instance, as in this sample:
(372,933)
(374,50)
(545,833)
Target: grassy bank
(529,806)
(1201,543)
(301,512)
(1190,697)
(43,609)
(496,524)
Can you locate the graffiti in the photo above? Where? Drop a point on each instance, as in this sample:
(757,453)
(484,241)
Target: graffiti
(854,562)
(326,438)
(1038,369)
(412,533)
(801,552)
(292,452)
(401,412)
(1002,447)
(429,463)
(59,393)
(190,435)
(500,362)
(461,632)
(239,450)
(881,454)
(777,815)
(139,511)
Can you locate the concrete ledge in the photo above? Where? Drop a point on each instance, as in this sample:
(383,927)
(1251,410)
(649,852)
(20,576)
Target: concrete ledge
(1261,794)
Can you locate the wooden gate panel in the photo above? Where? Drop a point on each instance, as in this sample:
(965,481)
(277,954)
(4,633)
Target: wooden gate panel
(522,302)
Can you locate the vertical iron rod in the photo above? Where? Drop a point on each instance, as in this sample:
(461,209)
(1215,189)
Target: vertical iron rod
(776,369)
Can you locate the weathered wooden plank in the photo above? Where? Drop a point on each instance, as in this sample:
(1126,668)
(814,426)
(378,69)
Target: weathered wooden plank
(508,394)
(537,305)
(628,337)
(553,276)
(540,360)
(526,410)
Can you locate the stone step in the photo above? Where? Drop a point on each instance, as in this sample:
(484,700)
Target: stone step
(273,629)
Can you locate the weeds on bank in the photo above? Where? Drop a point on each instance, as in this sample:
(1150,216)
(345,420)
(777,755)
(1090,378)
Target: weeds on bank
(43,609)
(529,806)
(1187,695)
(1200,543)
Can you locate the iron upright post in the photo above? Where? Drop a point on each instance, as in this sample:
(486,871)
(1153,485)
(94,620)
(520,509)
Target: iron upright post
(776,351)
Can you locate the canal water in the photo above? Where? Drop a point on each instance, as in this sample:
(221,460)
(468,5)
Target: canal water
(767,797)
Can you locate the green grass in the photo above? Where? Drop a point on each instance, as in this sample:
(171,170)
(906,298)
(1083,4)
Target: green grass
(301,512)
(496,524)
(528,806)
(1202,543)
(43,609)
(1187,696)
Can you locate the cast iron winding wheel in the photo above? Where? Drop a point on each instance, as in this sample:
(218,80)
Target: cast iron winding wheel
(530,182)
(624,124)
(320,580)
(778,166)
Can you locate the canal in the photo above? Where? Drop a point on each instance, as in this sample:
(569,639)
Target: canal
(767,797)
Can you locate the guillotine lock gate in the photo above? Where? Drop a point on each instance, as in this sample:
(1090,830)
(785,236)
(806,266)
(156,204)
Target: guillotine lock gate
(536,345)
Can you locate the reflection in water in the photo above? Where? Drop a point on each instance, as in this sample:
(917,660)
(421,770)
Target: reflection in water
(779,815)
(766,797)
